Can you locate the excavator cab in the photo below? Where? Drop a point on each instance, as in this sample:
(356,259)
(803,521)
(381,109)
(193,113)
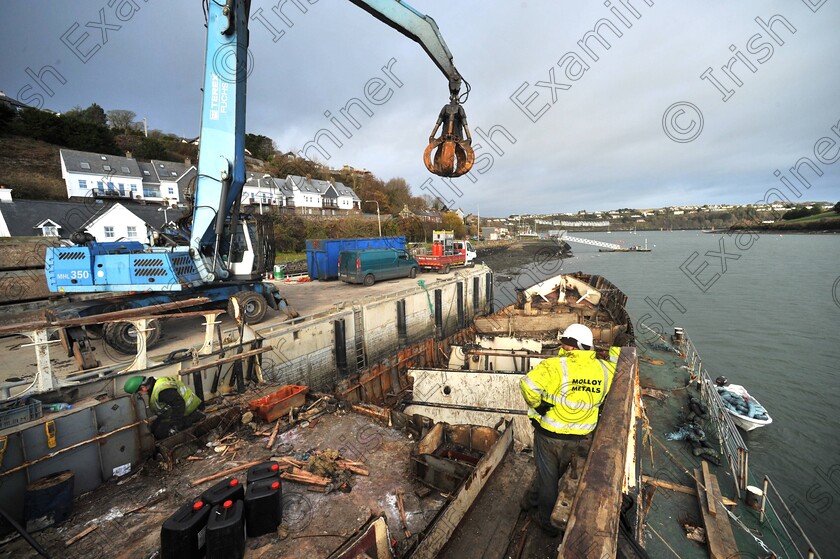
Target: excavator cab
(248,254)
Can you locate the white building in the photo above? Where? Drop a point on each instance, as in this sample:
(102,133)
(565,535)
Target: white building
(263,190)
(97,175)
(316,197)
(104,219)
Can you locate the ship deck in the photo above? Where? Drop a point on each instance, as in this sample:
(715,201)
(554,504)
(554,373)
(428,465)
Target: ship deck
(317,522)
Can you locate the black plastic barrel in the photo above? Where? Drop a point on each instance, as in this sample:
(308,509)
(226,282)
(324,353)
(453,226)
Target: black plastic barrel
(263,507)
(48,500)
(226,490)
(226,531)
(266,470)
(182,535)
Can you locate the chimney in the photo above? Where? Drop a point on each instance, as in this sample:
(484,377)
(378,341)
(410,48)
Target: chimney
(188,162)
(5,194)
(128,155)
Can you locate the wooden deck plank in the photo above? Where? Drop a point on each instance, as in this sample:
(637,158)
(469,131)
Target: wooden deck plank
(719,534)
(707,481)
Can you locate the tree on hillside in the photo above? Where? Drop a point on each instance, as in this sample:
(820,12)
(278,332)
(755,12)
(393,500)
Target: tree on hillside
(398,193)
(433,202)
(39,125)
(85,135)
(836,208)
(94,114)
(120,119)
(451,222)
(261,147)
(152,148)
(7,115)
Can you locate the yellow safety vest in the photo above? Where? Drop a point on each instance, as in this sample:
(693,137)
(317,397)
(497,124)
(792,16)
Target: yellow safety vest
(574,385)
(191,401)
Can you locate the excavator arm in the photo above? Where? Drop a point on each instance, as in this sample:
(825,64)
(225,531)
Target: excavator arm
(221,167)
(450,154)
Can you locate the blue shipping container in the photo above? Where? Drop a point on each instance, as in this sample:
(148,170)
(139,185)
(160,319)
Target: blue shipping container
(322,254)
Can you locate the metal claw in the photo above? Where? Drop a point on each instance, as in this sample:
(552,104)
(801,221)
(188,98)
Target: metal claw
(453,153)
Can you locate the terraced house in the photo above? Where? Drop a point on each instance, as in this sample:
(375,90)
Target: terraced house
(98,175)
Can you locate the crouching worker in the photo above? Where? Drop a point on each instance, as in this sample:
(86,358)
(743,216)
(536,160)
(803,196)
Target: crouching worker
(172,401)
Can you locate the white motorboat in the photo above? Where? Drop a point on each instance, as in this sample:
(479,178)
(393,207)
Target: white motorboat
(746,411)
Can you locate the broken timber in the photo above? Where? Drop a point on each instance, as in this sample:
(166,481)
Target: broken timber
(719,534)
(443,525)
(681,488)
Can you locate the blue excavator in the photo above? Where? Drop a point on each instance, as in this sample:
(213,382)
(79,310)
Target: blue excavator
(218,251)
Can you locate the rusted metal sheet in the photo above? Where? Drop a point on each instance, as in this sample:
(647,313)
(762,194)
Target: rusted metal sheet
(446,521)
(372,540)
(465,397)
(594,522)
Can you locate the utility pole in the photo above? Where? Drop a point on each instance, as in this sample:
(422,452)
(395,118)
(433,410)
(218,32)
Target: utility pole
(378,221)
(145,127)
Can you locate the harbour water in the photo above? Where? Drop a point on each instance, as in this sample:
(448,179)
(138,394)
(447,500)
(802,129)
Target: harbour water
(764,311)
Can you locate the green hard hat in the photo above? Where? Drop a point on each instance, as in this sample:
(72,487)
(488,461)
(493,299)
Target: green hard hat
(133,384)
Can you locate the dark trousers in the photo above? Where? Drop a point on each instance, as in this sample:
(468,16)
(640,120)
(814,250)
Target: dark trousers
(552,458)
(164,426)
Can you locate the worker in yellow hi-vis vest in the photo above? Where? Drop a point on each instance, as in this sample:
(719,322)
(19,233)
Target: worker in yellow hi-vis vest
(563,394)
(175,405)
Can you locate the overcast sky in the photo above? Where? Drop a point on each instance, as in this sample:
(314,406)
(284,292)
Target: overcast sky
(599,139)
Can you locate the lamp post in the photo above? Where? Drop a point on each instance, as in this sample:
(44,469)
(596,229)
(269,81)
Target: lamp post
(165,219)
(378,221)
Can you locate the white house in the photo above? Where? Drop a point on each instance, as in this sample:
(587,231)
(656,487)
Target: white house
(104,219)
(132,222)
(262,190)
(97,175)
(316,197)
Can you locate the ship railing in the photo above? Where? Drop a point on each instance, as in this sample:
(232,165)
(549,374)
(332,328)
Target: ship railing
(770,517)
(735,449)
(737,455)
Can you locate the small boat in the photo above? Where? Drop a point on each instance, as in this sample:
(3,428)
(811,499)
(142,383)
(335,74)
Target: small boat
(745,410)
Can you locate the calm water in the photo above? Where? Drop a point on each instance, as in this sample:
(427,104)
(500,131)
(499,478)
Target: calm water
(769,321)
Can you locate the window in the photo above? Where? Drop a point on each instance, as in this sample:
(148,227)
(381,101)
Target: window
(109,232)
(103,158)
(110,186)
(100,186)
(146,173)
(82,184)
(132,232)
(84,165)
(50,230)
(122,188)
(134,188)
(106,167)
(125,170)
(171,190)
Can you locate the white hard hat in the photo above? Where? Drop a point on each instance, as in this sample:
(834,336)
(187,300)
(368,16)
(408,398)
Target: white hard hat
(579,333)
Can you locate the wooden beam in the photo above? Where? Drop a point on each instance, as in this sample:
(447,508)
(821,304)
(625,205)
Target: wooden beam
(225,360)
(80,535)
(719,534)
(710,497)
(71,447)
(226,472)
(681,488)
